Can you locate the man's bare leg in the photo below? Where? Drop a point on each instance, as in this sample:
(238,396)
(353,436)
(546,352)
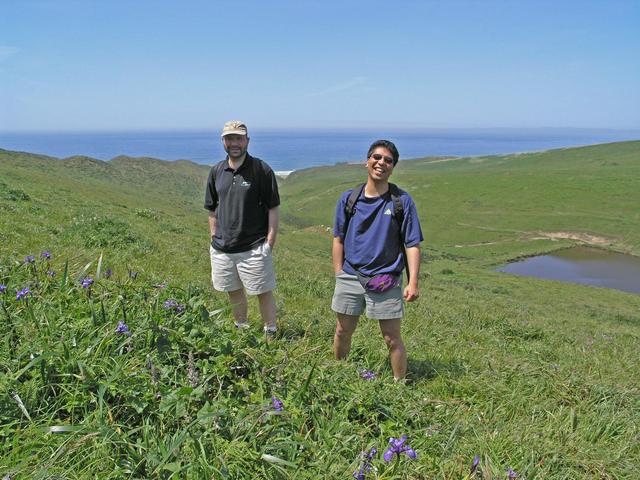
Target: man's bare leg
(345,326)
(268,309)
(238,301)
(397,353)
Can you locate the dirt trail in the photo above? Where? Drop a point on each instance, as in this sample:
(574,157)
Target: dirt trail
(581,237)
(586,238)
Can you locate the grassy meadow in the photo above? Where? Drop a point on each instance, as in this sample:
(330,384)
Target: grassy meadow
(119,361)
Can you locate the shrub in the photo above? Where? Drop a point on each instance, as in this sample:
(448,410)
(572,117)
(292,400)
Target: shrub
(99,231)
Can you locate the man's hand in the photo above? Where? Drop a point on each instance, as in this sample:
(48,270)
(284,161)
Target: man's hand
(411,293)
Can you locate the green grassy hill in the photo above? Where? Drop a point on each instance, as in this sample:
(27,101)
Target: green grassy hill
(494,208)
(136,210)
(533,375)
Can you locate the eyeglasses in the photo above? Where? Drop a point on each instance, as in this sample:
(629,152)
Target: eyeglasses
(377,157)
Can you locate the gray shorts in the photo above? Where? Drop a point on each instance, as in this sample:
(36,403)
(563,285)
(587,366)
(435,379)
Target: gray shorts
(252,270)
(350,298)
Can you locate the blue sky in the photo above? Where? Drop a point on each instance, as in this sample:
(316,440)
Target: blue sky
(118,65)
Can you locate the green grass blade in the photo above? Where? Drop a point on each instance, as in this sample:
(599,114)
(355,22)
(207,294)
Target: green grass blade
(273,459)
(65,274)
(305,385)
(99,268)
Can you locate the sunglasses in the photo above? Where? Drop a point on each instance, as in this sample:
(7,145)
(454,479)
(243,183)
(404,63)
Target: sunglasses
(377,157)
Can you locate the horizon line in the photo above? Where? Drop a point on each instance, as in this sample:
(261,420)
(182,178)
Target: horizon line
(335,129)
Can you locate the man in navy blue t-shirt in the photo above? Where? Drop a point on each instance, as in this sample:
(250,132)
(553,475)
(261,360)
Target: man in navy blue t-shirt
(368,259)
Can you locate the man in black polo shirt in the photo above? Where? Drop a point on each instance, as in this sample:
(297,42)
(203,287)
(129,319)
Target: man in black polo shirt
(242,199)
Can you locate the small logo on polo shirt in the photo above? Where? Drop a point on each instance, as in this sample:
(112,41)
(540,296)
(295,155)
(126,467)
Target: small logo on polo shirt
(387,211)
(245,184)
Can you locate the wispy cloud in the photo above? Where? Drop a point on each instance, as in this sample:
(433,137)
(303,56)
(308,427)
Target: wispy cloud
(7,52)
(340,87)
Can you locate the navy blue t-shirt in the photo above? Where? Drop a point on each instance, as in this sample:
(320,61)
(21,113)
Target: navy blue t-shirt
(372,245)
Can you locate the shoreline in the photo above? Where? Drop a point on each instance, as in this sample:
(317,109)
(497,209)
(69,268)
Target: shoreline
(309,152)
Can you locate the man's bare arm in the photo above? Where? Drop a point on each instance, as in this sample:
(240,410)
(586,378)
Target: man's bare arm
(337,253)
(212,223)
(411,291)
(274,220)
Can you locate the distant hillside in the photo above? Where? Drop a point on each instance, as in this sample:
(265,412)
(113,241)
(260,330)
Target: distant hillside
(134,205)
(179,177)
(492,207)
(486,208)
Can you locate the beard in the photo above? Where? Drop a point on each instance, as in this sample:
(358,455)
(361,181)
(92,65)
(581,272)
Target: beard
(235,152)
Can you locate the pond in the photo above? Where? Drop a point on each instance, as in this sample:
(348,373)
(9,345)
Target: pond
(588,266)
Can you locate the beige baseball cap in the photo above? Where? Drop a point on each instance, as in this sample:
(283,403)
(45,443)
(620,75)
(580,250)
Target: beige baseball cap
(234,127)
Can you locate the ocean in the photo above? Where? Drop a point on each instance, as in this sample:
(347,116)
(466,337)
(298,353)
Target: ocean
(287,150)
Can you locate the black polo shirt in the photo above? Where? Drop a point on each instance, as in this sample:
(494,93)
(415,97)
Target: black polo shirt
(241,200)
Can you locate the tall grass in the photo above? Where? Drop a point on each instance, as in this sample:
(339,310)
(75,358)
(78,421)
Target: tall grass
(140,373)
(177,392)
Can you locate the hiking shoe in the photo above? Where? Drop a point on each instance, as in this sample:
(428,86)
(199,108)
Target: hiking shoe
(242,325)
(270,331)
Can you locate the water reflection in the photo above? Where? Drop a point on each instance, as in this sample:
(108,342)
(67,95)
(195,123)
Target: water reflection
(589,266)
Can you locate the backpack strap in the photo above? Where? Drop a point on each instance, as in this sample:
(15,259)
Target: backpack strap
(398,214)
(398,209)
(350,207)
(258,173)
(217,170)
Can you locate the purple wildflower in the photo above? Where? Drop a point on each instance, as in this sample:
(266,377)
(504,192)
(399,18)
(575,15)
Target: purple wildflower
(474,465)
(133,274)
(3,288)
(29,259)
(361,473)
(372,453)
(368,374)
(160,285)
(511,475)
(171,304)
(122,328)
(20,294)
(46,255)
(51,273)
(277,404)
(108,273)
(86,282)
(397,447)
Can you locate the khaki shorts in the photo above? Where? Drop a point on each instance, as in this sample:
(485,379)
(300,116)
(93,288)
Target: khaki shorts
(252,270)
(350,298)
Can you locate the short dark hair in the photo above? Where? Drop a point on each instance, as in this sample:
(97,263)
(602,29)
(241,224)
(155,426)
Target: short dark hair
(389,146)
